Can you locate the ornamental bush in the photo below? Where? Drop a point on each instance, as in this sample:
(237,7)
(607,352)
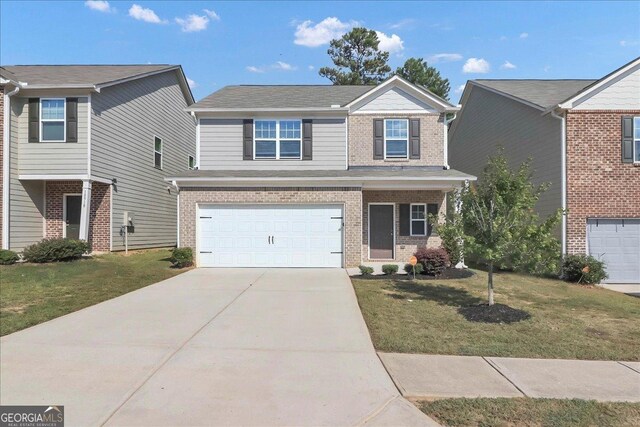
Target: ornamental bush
(366,271)
(181,257)
(55,250)
(8,257)
(409,268)
(433,261)
(583,269)
(390,269)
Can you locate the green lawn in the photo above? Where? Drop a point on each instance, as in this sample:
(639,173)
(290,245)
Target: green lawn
(531,412)
(34,293)
(567,321)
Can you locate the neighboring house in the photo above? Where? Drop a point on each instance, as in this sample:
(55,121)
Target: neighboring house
(83,144)
(315,176)
(584,139)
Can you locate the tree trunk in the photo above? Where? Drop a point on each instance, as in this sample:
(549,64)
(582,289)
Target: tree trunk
(490,283)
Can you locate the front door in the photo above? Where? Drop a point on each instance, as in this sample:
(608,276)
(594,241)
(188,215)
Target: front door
(73,207)
(381,231)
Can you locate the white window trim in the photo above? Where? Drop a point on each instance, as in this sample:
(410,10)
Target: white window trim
(384,131)
(189,159)
(64,120)
(64,212)
(411,220)
(634,152)
(159,152)
(277,139)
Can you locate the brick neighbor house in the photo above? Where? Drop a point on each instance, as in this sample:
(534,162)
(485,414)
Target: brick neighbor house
(85,144)
(315,176)
(584,139)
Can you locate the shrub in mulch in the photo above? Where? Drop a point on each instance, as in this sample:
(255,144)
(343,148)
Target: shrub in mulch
(447,273)
(497,313)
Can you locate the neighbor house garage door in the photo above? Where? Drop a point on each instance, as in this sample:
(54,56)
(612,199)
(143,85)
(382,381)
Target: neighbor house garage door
(617,243)
(270,236)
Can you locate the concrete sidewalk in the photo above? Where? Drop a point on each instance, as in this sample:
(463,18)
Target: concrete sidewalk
(432,376)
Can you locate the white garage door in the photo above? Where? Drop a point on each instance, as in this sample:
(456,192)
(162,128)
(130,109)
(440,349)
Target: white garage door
(617,243)
(270,236)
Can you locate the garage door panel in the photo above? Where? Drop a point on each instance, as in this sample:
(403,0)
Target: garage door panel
(617,243)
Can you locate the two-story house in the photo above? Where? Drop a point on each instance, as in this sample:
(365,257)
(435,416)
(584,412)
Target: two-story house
(584,139)
(86,145)
(315,176)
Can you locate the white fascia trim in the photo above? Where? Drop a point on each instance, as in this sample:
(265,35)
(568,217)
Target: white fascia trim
(62,86)
(404,112)
(324,178)
(197,141)
(563,178)
(88,135)
(263,110)
(53,177)
(6,165)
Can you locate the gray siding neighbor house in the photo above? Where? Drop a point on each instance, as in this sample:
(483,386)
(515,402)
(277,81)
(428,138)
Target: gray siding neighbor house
(85,144)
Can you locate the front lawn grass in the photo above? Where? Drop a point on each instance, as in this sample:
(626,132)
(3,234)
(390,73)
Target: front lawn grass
(34,293)
(487,412)
(567,321)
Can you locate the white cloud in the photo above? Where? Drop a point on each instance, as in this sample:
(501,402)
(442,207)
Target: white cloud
(626,43)
(476,65)
(212,14)
(508,66)
(99,5)
(311,67)
(321,33)
(459,89)
(546,68)
(503,38)
(192,83)
(144,14)
(279,65)
(391,44)
(524,35)
(403,23)
(193,23)
(253,69)
(444,57)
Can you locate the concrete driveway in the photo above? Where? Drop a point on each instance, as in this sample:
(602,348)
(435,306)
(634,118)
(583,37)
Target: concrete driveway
(210,347)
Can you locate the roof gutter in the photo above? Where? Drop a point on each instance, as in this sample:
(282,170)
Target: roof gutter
(317,178)
(563,172)
(6,167)
(266,110)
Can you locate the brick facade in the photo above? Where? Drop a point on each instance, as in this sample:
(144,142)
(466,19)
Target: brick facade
(99,214)
(599,185)
(350,197)
(405,245)
(360,134)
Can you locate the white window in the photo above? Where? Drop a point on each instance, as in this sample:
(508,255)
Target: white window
(396,139)
(157,153)
(277,139)
(418,219)
(191,162)
(52,120)
(636,139)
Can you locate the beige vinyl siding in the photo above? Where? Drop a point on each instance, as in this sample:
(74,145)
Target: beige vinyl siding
(125,120)
(623,94)
(43,158)
(489,120)
(26,198)
(396,100)
(221,147)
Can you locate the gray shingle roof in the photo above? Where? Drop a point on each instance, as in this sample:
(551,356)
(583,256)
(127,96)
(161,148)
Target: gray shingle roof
(282,96)
(80,75)
(543,93)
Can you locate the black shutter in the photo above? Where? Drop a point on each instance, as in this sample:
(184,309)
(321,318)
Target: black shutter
(247,139)
(432,209)
(414,138)
(34,119)
(307,139)
(405,220)
(72,119)
(378,139)
(627,140)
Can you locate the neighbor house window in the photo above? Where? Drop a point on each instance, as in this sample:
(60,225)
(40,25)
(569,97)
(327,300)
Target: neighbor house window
(419,219)
(157,153)
(278,139)
(191,162)
(52,120)
(636,139)
(396,138)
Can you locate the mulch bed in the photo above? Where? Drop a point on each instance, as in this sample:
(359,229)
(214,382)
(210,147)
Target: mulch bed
(448,273)
(497,313)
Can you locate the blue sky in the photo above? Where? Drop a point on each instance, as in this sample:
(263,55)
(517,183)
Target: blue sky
(221,43)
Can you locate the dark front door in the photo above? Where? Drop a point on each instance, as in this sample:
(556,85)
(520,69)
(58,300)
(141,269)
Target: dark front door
(72,216)
(381,231)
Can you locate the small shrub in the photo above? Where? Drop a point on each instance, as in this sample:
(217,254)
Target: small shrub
(181,257)
(433,261)
(54,250)
(390,269)
(583,269)
(409,268)
(366,271)
(8,257)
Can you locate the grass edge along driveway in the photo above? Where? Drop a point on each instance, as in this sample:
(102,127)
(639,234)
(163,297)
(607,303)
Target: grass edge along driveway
(34,293)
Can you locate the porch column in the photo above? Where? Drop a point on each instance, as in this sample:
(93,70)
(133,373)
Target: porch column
(84,212)
(458,207)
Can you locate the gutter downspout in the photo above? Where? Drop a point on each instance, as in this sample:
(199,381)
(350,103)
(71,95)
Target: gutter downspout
(175,184)
(563,171)
(446,138)
(6,167)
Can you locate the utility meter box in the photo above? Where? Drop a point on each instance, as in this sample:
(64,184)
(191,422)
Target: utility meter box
(127,221)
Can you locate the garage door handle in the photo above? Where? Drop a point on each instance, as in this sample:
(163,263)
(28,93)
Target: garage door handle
(205,252)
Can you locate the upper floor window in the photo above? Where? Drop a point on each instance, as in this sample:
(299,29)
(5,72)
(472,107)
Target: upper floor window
(277,139)
(52,120)
(157,153)
(636,139)
(396,138)
(191,162)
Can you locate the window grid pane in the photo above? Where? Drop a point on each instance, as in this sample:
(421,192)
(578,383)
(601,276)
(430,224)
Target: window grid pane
(52,109)
(417,212)
(52,131)
(266,149)
(158,145)
(637,156)
(290,129)
(290,149)
(396,148)
(158,160)
(265,129)
(418,228)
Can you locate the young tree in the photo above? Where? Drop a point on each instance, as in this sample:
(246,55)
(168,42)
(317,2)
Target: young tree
(417,71)
(357,59)
(500,226)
